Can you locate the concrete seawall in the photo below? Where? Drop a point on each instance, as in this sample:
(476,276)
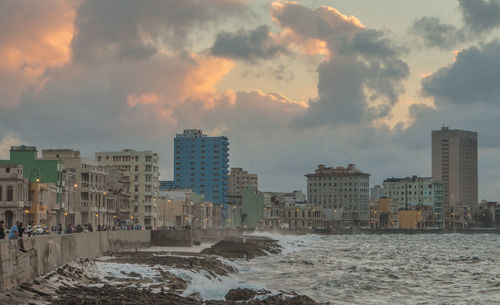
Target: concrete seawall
(45,253)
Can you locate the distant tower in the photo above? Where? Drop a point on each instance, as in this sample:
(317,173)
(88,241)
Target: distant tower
(454,163)
(201,164)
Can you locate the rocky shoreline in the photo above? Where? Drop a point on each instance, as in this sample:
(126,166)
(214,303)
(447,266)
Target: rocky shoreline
(152,278)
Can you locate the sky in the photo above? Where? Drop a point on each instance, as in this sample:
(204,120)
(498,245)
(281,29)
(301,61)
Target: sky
(291,84)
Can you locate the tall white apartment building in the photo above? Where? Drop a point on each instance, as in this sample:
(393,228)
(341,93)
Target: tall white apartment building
(344,194)
(142,168)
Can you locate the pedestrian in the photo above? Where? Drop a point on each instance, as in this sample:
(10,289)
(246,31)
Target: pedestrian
(2,230)
(59,229)
(14,234)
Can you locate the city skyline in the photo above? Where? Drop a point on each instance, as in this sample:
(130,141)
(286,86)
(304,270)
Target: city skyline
(288,96)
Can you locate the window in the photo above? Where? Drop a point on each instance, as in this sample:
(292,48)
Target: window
(137,168)
(7,170)
(10,193)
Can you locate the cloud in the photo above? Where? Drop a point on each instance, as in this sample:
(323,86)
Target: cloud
(35,36)
(480,16)
(434,33)
(472,78)
(360,80)
(127,29)
(248,45)
(8,140)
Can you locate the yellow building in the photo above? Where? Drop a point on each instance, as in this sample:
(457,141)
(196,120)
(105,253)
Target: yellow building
(410,219)
(44,205)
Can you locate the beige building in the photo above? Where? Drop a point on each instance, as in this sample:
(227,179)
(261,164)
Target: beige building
(304,216)
(118,197)
(240,180)
(384,213)
(343,192)
(90,182)
(454,163)
(142,169)
(179,208)
(14,203)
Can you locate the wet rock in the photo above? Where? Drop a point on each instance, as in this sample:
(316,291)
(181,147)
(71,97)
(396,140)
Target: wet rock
(244,247)
(240,294)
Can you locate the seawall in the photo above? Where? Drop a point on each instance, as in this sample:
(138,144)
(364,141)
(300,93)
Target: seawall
(47,252)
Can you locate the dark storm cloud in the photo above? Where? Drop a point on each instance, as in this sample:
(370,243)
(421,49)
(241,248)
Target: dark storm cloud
(434,33)
(473,77)
(248,45)
(480,15)
(129,29)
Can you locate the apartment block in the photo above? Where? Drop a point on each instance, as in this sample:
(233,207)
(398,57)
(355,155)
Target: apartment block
(201,164)
(141,168)
(343,192)
(418,193)
(455,164)
(304,216)
(240,179)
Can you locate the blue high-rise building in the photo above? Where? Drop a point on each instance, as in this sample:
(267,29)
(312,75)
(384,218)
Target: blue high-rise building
(201,164)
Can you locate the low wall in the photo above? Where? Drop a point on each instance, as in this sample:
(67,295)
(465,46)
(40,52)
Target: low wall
(48,252)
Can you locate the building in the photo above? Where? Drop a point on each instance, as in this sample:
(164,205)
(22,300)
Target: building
(90,186)
(201,164)
(454,163)
(376,192)
(118,197)
(180,208)
(240,180)
(417,193)
(294,198)
(141,168)
(40,171)
(14,204)
(259,210)
(304,216)
(343,193)
(383,213)
(167,185)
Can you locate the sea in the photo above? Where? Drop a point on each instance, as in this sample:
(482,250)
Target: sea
(378,269)
(369,269)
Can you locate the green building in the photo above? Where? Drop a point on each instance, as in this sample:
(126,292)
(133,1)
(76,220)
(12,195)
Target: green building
(252,208)
(35,170)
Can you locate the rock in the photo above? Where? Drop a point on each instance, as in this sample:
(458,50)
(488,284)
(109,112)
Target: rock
(246,247)
(240,294)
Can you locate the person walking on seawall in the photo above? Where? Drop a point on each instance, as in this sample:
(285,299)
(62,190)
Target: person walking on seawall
(14,234)
(59,229)
(2,230)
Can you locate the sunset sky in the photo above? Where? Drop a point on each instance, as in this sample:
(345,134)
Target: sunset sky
(292,84)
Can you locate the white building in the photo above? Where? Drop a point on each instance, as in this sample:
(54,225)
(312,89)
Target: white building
(343,193)
(142,169)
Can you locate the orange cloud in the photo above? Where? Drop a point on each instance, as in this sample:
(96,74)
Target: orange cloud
(37,36)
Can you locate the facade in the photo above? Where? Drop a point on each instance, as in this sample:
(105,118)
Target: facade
(417,193)
(14,203)
(259,210)
(142,170)
(304,216)
(240,180)
(44,208)
(455,164)
(118,197)
(294,198)
(180,208)
(343,193)
(201,164)
(384,213)
(90,186)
